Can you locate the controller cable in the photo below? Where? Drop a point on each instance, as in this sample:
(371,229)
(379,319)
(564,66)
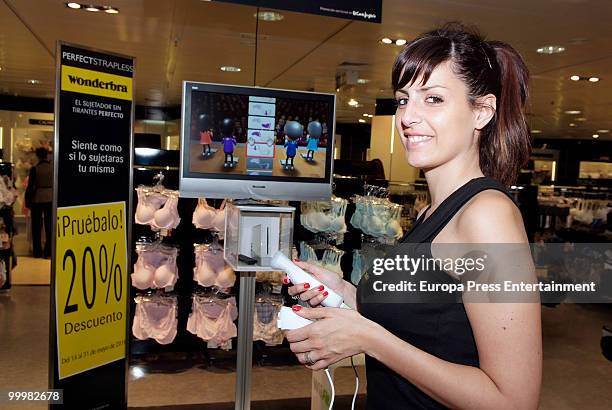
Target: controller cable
(333,390)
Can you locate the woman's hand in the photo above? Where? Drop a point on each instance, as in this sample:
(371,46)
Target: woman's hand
(314,296)
(336,333)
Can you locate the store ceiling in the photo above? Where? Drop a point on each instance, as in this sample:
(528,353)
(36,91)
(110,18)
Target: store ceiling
(176,40)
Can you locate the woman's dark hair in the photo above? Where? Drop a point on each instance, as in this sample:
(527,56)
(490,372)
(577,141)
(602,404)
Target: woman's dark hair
(41,153)
(486,67)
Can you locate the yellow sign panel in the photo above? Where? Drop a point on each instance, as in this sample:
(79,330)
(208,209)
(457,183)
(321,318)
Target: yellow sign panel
(80,80)
(91,286)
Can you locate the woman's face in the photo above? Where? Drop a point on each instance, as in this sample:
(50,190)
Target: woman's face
(435,120)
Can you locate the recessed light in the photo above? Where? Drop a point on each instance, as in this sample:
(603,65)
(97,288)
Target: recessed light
(337,90)
(593,79)
(386,40)
(573,112)
(550,50)
(575,78)
(269,15)
(73,5)
(400,42)
(370,116)
(536,131)
(571,124)
(602,131)
(362,81)
(111,10)
(365,115)
(230,69)
(33,82)
(595,136)
(353,102)
(362,120)
(581,119)
(92,8)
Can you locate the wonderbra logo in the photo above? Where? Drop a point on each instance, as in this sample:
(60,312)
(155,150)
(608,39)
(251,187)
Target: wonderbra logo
(92,82)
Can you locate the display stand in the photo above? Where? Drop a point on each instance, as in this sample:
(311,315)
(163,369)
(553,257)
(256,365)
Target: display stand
(256,231)
(246,306)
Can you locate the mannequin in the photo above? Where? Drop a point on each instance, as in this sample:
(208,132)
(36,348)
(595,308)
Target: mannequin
(293,132)
(229,142)
(314,133)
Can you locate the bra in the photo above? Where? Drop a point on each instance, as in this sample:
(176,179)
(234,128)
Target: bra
(147,205)
(167,217)
(156,321)
(208,217)
(155,269)
(211,269)
(148,211)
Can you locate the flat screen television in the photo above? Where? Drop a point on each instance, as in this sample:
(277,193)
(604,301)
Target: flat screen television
(252,142)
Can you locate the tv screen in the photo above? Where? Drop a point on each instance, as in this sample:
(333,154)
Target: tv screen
(252,142)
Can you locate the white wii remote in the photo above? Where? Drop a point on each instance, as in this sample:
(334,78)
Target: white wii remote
(297,275)
(289,320)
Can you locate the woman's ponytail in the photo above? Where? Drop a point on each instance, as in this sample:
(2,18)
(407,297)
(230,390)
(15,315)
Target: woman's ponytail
(506,146)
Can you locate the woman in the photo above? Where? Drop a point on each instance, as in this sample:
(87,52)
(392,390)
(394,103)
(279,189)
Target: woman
(460,114)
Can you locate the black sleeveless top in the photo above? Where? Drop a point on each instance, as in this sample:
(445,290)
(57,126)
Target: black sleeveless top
(441,329)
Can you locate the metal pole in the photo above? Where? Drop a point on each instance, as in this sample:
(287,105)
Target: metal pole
(246,306)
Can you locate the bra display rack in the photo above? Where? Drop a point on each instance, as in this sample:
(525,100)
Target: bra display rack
(8,195)
(183,293)
(182,301)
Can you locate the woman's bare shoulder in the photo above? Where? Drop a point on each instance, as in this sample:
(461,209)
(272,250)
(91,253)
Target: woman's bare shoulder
(491,217)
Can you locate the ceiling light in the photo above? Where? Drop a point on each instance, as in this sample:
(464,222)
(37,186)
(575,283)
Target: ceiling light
(230,69)
(111,10)
(602,131)
(33,82)
(593,79)
(353,102)
(573,112)
(550,50)
(571,124)
(581,119)
(536,131)
(268,15)
(370,116)
(575,78)
(365,115)
(400,42)
(362,120)
(595,136)
(386,40)
(92,8)
(362,81)
(73,5)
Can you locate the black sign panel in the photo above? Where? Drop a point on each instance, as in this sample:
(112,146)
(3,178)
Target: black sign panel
(363,10)
(92,173)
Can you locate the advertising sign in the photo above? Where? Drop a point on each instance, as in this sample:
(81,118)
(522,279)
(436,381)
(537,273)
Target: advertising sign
(363,10)
(93,145)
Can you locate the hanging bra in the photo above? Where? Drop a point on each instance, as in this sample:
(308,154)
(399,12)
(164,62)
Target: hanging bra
(155,320)
(265,326)
(208,217)
(148,204)
(213,320)
(203,215)
(167,217)
(155,269)
(211,269)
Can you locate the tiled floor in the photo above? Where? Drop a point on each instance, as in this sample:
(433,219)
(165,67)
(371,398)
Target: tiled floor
(576,375)
(31,271)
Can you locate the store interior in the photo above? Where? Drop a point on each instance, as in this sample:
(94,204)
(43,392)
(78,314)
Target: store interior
(564,191)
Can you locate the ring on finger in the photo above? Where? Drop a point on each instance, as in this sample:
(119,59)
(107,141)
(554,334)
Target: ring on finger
(308,359)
